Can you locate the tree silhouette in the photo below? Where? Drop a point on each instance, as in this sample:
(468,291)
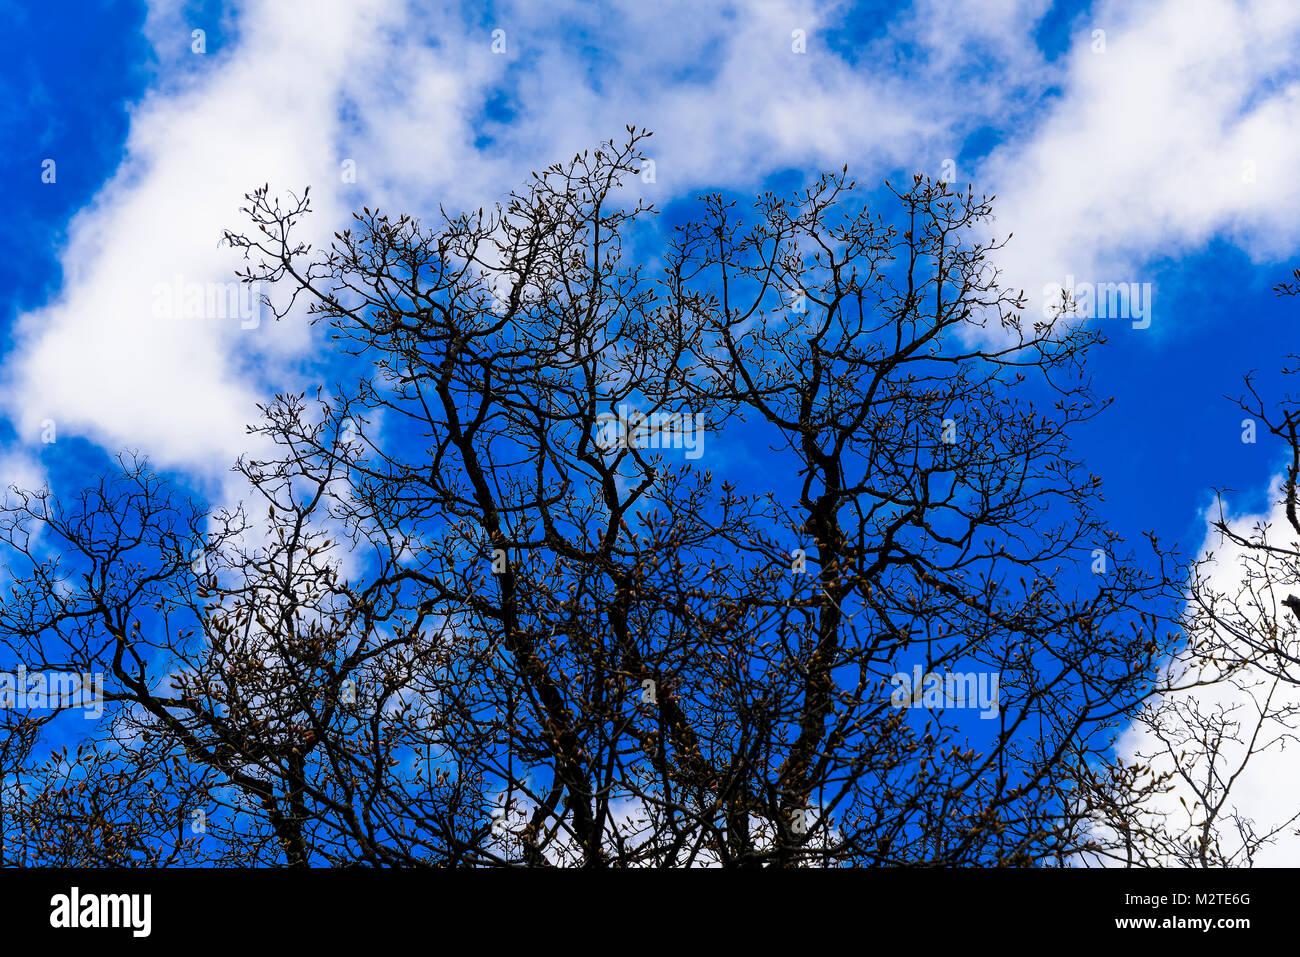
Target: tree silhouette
(484,605)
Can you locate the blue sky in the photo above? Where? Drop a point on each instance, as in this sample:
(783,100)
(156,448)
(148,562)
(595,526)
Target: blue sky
(75,73)
(1167,157)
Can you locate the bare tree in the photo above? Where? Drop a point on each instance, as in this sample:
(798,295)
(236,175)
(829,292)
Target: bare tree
(496,613)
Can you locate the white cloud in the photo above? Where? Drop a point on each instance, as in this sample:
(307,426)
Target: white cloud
(303,86)
(1182,130)
(1238,586)
(96,359)
(1150,148)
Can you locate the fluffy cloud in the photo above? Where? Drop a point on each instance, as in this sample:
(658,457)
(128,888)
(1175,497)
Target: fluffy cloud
(1174,127)
(1178,132)
(429,114)
(111,358)
(1253,717)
